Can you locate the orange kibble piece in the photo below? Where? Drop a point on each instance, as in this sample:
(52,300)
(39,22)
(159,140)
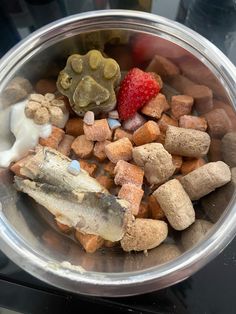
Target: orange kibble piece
(89,167)
(177,161)
(105,181)
(82,147)
(156,106)
(90,242)
(99,131)
(99,150)
(74,127)
(192,122)
(165,121)
(133,195)
(65,145)
(155,209)
(119,150)
(181,105)
(63,228)
(191,165)
(16,167)
(109,167)
(120,133)
(147,133)
(128,173)
(143,211)
(54,139)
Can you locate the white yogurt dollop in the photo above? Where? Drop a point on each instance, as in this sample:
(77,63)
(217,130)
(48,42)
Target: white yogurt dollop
(26,132)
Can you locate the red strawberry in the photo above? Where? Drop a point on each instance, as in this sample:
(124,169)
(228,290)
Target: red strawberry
(136,89)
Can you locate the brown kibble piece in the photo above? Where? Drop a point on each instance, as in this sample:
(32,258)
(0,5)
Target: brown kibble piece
(89,167)
(177,162)
(119,150)
(41,116)
(165,121)
(90,242)
(99,131)
(99,150)
(120,133)
(176,204)
(74,127)
(218,123)
(133,195)
(105,181)
(192,122)
(191,165)
(128,173)
(146,134)
(203,97)
(215,153)
(180,83)
(154,208)
(63,228)
(228,149)
(217,104)
(109,167)
(181,105)
(65,145)
(143,211)
(156,106)
(45,86)
(161,138)
(82,147)
(162,66)
(54,139)
(144,234)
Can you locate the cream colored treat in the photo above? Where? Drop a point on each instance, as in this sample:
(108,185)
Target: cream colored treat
(206,179)
(228,149)
(176,204)
(166,252)
(186,142)
(196,232)
(144,234)
(157,162)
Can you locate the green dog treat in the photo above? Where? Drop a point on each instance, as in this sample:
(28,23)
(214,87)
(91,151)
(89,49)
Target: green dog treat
(88,81)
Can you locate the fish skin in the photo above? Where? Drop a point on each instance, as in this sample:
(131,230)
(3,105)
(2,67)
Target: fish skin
(90,212)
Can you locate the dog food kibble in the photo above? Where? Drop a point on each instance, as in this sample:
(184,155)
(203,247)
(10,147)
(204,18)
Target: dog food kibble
(163,66)
(143,211)
(74,127)
(206,179)
(195,233)
(63,228)
(203,97)
(89,167)
(134,123)
(166,252)
(89,118)
(144,234)
(190,165)
(177,162)
(176,204)
(109,168)
(186,142)
(181,105)
(133,195)
(105,181)
(156,106)
(154,208)
(65,145)
(192,122)
(113,123)
(128,173)
(82,147)
(113,114)
(165,121)
(45,86)
(229,149)
(99,150)
(119,150)
(155,160)
(119,133)
(54,139)
(99,131)
(146,133)
(218,123)
(90,242)
(215,153)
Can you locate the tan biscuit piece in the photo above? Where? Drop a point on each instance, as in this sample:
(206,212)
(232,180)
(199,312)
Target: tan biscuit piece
(186,142)
(82,147)
(166,252)
(191,165)
(195,233)
(65,145)
(228,149)
(206,179)
(165,121)
(154,208)
(128,173)
(156,106)
(144,234)
(162,66)
(146,134)
(155,160)
(119,150)
(75,127)
(45,86)
(105,181)
(119,133)
(143,211)
(192,122)
(181,105)
(99,150)
(203,97)
(89,167)
(133,195)
(176,204)
(41,116)
(177,162)
(99,131)
(218,123)
(54,139)
(90,242)
(215,153)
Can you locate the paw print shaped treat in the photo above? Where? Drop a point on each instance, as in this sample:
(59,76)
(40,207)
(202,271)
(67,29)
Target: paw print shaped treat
(46,109)
(89,81)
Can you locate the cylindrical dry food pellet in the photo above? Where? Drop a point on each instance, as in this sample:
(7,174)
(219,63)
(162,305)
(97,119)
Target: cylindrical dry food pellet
(186,142)
(195,233)
(228,149)
(206,179)
(176,204)
(144,234)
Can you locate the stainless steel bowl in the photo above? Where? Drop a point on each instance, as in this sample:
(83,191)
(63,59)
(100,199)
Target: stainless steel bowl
(28,234)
